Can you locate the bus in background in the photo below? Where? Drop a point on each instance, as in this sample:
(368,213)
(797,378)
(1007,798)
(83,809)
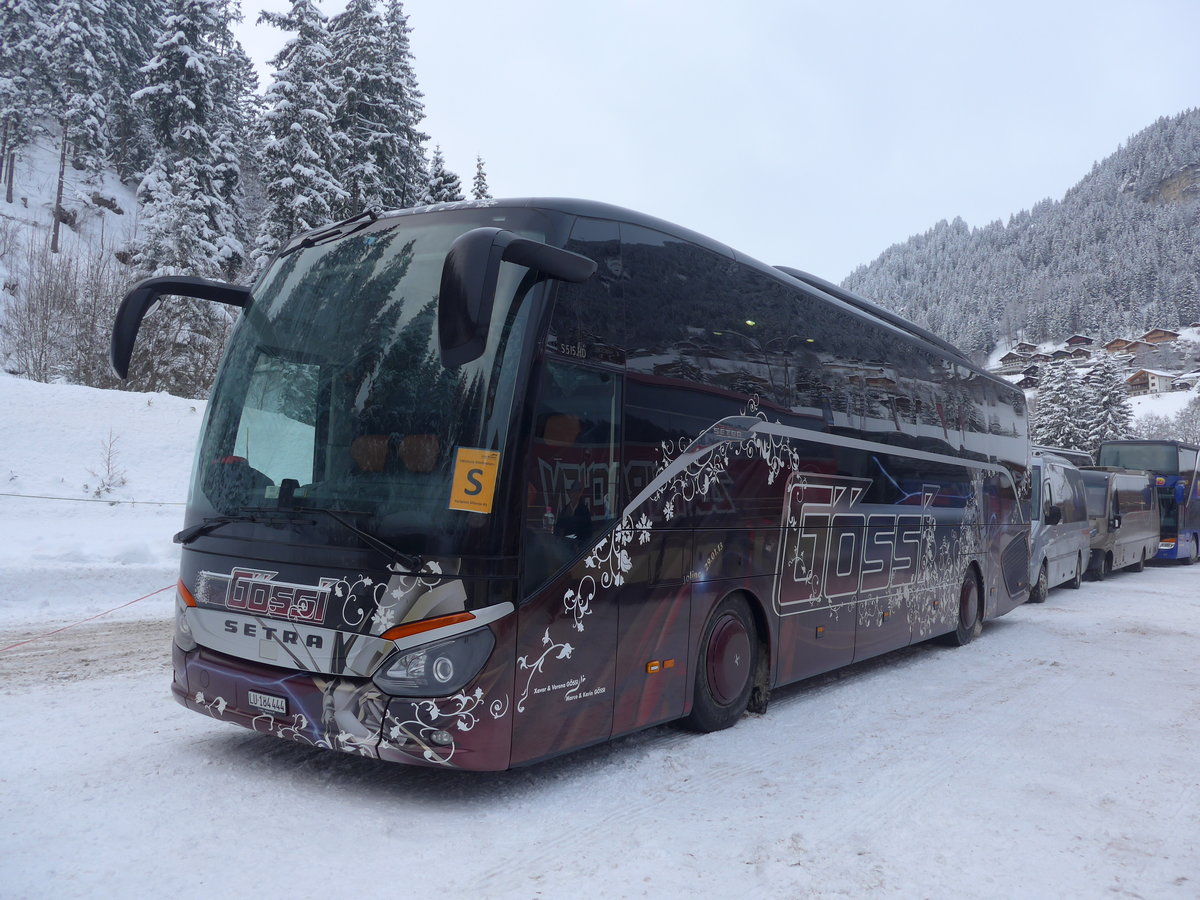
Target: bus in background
(1077,458)
(486,482)
(1059,541)
(1177,480)
(1122,508)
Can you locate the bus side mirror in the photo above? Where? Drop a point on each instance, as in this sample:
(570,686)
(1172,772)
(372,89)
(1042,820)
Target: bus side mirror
(133,309)
(469,277)
(1053,515)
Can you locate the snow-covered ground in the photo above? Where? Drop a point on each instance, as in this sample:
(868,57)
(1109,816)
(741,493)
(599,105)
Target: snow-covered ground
(1054,757)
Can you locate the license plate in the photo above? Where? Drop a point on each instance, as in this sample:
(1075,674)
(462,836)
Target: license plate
(267,702)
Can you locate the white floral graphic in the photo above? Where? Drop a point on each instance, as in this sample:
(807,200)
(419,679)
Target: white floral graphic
(430,718)
(560,651)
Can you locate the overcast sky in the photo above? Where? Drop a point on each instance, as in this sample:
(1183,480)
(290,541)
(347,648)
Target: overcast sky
(810,134)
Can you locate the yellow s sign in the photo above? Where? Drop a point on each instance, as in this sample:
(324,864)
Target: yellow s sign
(474,480)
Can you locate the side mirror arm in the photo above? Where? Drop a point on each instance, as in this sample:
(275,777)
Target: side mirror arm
(136,303)
(470,274)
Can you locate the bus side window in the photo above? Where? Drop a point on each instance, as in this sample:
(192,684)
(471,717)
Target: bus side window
(588,321)
(572,482)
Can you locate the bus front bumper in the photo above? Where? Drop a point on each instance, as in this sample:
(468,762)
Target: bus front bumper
(347,714)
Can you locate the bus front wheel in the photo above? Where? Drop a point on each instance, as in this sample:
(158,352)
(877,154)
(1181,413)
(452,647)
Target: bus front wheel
(726,667)
(970,613)
(1193,553)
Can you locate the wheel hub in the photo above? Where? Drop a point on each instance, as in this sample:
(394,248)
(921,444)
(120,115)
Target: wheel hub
(728,659)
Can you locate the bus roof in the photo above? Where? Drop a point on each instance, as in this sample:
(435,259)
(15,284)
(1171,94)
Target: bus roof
(852,302)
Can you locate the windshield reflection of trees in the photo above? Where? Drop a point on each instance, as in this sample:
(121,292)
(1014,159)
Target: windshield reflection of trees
(366,316)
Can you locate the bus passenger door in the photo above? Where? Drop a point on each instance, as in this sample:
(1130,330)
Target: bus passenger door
(571,565)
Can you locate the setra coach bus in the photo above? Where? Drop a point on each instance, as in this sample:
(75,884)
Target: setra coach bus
(482,483)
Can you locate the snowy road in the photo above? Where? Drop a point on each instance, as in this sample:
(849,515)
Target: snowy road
(1055,757)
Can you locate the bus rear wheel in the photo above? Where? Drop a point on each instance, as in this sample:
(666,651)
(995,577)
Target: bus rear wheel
(726,667)
(1075,582)
(970,614)
(1139,566)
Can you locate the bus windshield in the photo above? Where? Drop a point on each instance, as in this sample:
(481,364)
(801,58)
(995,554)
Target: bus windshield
(1160,458)
(332,395)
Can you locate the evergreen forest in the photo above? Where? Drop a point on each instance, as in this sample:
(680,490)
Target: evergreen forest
(158,96)
(1116,256)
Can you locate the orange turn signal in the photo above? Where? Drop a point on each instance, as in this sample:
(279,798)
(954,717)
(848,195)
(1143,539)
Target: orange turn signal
(188,599)
(410,628)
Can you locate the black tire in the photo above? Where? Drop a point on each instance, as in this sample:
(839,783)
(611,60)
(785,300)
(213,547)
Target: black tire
(1075,582)
(725,667)
(970,613)
(1106,566)
(1139,566)
(1101,569)
(1037,593)
(1190,559)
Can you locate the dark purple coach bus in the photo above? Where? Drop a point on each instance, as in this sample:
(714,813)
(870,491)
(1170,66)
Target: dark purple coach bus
(482,483)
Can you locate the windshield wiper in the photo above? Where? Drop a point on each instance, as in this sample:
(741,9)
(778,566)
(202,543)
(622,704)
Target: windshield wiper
(212,523)
(337,230)
(375,543)
(268,515)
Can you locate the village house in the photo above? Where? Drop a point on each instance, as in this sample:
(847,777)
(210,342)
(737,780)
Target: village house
(1149,381)
(1159,336)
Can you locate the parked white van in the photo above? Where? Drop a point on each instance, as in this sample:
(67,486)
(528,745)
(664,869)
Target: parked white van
(1059,541)
(1123,512)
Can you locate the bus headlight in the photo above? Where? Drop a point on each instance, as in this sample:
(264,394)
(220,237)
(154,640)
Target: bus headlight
(436,669)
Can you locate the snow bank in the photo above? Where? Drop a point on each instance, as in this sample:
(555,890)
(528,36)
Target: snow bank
(92,487)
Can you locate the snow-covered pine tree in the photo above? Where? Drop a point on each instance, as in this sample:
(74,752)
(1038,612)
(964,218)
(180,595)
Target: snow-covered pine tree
(179,106)
(235,114)
(189,200)
(79,55)
(1061,400)
(180,341)
(133,26)
(301,147)
(24,97)
(405,174)
(1109,412)
(479,188)
(372,109)
(444,186)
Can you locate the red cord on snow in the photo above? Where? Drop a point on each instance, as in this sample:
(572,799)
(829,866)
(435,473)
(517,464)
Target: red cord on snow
(82,621)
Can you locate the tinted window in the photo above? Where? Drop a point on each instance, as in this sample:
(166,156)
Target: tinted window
(1074,502)
(1097,495)
(589,318)
(1162,458)
(571,492)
